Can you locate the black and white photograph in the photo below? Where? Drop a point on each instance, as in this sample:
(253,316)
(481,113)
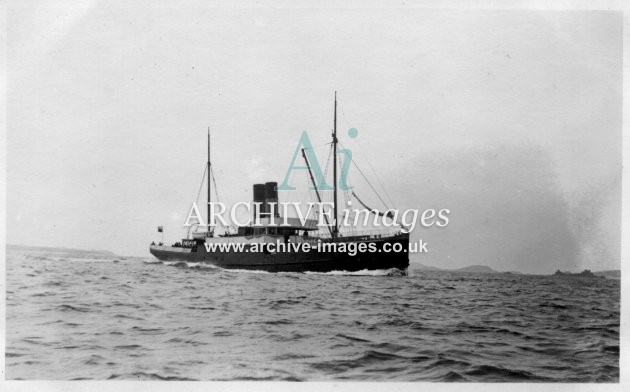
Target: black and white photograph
(263,195)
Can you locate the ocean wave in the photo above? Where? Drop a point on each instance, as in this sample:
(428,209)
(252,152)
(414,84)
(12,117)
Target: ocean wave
(365,272)
(206,265)
(247,271)
(128,347)
(495,373)
(149,376)
(189,264)
(152,323)
(71,308)
(177,263)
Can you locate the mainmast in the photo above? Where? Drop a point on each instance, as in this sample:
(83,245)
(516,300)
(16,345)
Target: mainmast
(209,167)
(335,229)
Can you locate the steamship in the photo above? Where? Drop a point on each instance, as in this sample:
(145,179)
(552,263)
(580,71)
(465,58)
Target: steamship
(276,229)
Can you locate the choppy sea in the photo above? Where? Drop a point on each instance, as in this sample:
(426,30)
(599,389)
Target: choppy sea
(79,315)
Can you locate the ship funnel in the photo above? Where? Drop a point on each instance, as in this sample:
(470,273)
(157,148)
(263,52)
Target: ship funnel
(259,197)
(271,196)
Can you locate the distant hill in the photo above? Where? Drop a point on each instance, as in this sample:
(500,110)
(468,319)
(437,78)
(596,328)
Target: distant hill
(484,269)
(480,269)
(610,274)
(49,249)
(512,272)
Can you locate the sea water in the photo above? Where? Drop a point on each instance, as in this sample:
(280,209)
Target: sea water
(80,315)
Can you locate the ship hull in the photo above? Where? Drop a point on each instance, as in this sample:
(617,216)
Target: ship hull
(312,261)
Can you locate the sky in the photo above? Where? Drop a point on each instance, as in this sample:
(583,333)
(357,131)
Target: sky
(511,119)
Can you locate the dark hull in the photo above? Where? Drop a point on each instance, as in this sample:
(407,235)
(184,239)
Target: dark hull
(295,261)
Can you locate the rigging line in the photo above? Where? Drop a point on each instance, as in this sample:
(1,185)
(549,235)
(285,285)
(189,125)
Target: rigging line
(378,179)
(311,192)
(331,156)
(370,184)
(328,161)
(308,192)
(314,186)
(387,213)
(349,211)
(216,192)
(344,195)
(214,182)
(383,188)
(327,165)
(203,178)
(320,145)
(322,196)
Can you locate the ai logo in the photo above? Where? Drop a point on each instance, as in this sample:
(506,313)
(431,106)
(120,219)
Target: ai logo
(305,144)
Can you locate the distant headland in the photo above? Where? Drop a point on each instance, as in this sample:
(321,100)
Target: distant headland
(484,269)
